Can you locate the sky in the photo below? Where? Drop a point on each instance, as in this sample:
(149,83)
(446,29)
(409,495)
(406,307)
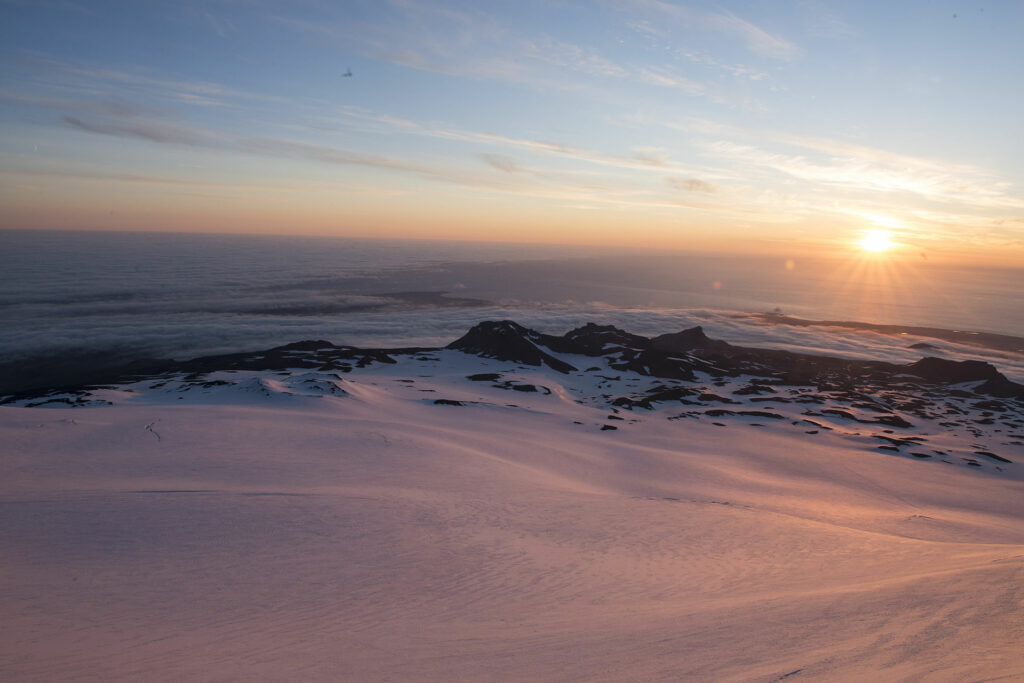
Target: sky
(745,126)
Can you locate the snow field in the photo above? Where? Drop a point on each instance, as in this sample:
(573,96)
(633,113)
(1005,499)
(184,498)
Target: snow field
(279,529)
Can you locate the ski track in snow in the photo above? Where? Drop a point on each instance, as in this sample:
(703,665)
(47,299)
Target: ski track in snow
(323,526)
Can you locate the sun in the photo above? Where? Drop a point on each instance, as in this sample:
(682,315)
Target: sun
(877,241)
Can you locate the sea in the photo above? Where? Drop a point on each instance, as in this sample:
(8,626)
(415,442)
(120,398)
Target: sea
(136,295)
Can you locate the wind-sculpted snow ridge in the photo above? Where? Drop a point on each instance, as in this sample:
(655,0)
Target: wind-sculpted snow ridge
(596,505)
(958,412)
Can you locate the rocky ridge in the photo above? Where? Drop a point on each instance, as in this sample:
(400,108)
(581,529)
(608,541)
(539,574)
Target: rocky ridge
(962,412)
(681,354)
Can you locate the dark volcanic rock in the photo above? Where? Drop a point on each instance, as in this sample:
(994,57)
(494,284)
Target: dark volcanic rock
(39,375)
(659,394)
(319,355)
(987,454)
(761,413)
(708,396)
(692,339)
(754,389)
(940,370)
(679,355)
(654,364)
(624,351)
(509,341)
(309,355)
(598,340)
(1002,388)
(663,393)
(630,403)
(893,421)
(842,387)
(307,345)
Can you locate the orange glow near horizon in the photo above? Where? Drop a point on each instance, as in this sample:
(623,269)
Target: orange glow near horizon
(451,215)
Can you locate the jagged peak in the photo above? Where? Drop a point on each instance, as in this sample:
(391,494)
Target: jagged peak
(689,339)
(510,341)
(490,329)
(500,326)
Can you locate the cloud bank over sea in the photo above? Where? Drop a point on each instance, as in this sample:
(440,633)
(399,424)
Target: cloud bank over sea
(174,296)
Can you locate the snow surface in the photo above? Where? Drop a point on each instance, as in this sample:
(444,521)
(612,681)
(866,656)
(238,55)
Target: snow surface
(323,526)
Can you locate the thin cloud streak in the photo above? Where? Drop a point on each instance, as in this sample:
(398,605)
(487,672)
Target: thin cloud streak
(757,39)
(101,80)
(478,48)
(98,107)
(198,137)
(641,161)
(880,172)
(513,178)
(138,178)
(854,167)
(850,166)
(502,162)
(504,182)
(692,185)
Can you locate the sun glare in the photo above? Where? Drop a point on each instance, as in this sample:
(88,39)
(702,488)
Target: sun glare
(876,241)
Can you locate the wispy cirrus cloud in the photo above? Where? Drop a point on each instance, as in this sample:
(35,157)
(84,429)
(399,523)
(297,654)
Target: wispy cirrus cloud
(874,170)
(653,14)
(669,78)
(691,184)
(538,185)
(103,176)
(473,44)
(574,57)
(100,107)
(825,20)
(428,37)
(644,158)
(757,39)
(54,79)
(614,182)
(195,136)
(823,163)
(832,163)
(502,162)
(579,188)
(737,70)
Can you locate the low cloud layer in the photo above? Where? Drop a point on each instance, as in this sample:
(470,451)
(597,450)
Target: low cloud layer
(180,297)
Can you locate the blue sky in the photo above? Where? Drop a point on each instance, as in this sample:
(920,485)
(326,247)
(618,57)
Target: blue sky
(682,124)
